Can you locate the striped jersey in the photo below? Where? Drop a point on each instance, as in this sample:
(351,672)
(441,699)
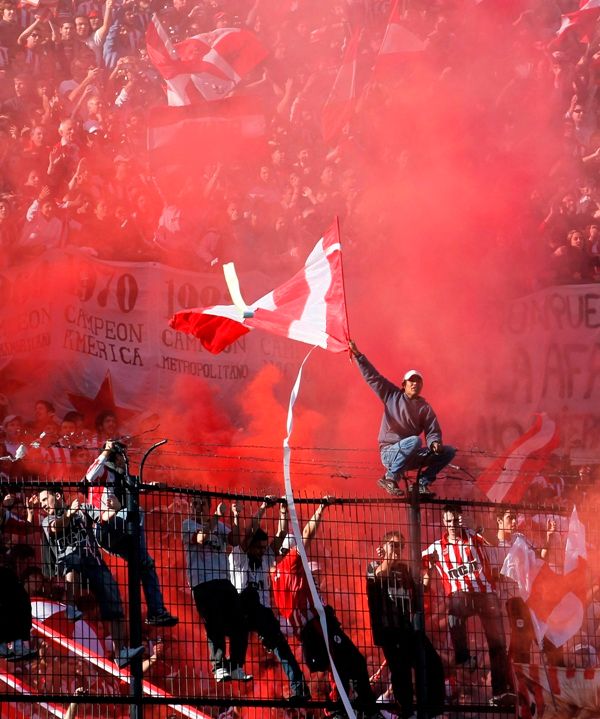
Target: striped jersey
(462,565)
(104,480)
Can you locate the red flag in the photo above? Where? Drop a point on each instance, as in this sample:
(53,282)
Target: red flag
(183,140)
(556,601)
(583,20)
(203,67)
(398,43)
(509,476)
(310,307)
(551,692)
(339,106)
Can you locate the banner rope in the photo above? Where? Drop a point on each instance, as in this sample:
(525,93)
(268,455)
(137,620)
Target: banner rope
(297,532)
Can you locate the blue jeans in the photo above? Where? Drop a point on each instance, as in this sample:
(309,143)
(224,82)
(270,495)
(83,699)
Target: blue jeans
(409,453)
(99,578)
(112,536)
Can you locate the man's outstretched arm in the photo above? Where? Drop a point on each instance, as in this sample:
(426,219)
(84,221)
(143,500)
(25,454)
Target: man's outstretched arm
(382,387)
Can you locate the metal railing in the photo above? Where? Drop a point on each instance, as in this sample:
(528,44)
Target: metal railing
(71,669)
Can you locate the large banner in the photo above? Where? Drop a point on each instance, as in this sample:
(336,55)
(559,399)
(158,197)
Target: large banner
(557,692)
(84,332)
(546,359)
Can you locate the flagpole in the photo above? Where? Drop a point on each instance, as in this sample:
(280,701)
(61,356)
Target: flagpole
(337,224)
(545,665)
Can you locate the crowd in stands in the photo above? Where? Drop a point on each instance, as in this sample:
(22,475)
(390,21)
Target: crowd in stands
(76,86)
(234,570)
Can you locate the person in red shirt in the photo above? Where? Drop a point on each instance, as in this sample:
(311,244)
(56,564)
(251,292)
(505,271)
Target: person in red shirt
(293,598)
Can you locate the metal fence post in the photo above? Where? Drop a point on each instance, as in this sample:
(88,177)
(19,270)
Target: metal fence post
(414,521)
(132,489)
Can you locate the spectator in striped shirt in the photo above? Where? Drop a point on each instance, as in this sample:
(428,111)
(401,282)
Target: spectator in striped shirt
(460,559)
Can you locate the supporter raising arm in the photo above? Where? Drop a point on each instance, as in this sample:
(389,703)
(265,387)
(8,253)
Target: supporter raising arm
(406,416)
(250,565)
(295,603)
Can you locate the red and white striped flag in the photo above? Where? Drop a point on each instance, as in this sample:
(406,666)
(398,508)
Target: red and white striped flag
(581,20)
(339,106)
(310,307)
(551,692)
(203,67)
(556,601)
(509,476)
(398,43)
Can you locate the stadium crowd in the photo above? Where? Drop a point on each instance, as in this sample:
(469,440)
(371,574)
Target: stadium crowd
(76,87)
(234,569)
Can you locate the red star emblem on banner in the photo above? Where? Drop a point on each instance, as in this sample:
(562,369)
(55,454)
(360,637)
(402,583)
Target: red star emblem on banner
(104,400)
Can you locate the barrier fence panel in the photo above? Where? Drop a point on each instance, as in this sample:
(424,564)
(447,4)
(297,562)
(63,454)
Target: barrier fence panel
(229,627)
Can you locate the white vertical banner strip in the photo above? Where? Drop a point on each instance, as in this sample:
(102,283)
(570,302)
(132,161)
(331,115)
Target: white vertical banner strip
(15,683)
(297,532)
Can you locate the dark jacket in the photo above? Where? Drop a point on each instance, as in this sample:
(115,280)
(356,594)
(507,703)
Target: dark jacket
(402,417)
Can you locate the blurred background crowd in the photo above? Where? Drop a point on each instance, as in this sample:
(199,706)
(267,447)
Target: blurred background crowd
(77,89)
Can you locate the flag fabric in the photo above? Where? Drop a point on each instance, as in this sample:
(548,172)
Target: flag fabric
(556,601)
(557,692)
(398,43)
(54,616)
(19,710)
(80,642)
(182,141)
(203,67)
(581,20)
(209,132)
(509,476)
(310,307)
(339,106)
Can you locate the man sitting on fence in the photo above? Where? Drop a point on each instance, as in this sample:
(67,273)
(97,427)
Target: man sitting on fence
(406,416)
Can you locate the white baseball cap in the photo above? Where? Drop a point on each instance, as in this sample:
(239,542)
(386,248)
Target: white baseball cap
(412,373)
(288,543)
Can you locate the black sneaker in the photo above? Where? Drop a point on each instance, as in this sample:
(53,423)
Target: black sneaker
(506,700)
(221,675)
(391,486)
(22,651)
(162,619)
(424,491)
